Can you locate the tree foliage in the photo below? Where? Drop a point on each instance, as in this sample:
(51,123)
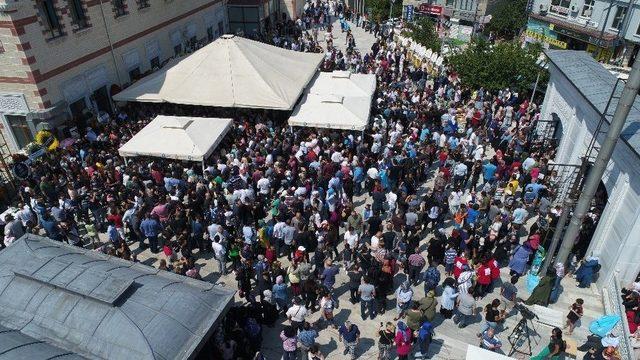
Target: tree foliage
(380,9)
(423,31)
(494,67)
(509,18)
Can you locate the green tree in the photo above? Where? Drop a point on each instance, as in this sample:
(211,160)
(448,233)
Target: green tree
(508,19)
(423,31)
(494,67)
(380,9)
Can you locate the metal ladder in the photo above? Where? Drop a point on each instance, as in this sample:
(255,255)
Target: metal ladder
(593,149)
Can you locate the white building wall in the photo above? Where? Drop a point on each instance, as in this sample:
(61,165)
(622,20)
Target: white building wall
(616,240)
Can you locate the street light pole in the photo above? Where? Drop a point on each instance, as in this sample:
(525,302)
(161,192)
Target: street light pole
(600,165)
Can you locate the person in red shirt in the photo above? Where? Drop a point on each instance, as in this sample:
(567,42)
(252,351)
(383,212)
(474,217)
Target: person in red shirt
(458,264)
(115,217)
(483,274)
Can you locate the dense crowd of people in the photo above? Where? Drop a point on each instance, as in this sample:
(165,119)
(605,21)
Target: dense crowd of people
(279,207)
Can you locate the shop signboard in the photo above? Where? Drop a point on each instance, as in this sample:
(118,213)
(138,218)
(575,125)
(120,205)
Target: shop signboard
(545,39)
(561,10)
(409,12)
(580,36)
(429,9)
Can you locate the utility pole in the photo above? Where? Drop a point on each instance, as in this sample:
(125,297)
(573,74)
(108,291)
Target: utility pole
(629,94)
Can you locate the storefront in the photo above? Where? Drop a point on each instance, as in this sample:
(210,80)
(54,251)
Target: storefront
(557,34)
(248,17)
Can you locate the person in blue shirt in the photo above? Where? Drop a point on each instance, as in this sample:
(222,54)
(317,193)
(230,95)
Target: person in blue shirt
(358,179)
(329,274)
(197,233)
(535,188)
(424,133)
(473,213)
(279,291)
(489,172)
(150,229)
(50,226)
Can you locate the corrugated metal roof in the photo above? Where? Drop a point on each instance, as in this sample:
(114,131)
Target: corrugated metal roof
(596,84)
(101,307)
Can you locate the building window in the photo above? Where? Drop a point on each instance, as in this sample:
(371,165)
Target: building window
(78,15)
(20,129)
(50,18)
(560,7)
(587,8)
(210,33)
(155,62)
(134,74)
(142,4)
(621,11)
(450,2)
(119,8)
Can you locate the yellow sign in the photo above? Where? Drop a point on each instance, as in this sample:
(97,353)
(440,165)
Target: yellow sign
(546,39)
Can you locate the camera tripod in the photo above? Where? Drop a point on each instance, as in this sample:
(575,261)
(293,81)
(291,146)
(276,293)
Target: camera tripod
(521,333)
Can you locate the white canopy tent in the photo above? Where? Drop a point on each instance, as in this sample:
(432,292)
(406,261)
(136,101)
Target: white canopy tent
(180,138)
(336,100)
(230,72)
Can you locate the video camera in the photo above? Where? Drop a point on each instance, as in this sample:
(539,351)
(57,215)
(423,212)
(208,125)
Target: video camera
(525,312)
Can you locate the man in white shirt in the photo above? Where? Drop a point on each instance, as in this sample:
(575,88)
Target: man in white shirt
(297,313)
(219,252)
(278,234)
(459,174)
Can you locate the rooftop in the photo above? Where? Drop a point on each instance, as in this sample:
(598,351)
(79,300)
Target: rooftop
(62,297)
(596,84)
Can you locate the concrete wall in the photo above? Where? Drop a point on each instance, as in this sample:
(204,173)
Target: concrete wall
(616,238)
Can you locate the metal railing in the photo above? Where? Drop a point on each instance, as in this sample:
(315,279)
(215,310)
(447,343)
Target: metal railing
(613,305)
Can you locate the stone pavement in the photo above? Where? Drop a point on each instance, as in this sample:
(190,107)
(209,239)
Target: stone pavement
(363,39)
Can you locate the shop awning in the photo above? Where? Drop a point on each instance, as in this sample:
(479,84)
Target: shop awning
(180,138)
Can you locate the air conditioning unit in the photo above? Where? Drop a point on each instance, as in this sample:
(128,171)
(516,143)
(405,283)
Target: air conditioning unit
(574,8)
(544,8)
(587,13)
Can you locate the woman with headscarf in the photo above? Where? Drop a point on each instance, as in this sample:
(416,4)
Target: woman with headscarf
(519,259)
(403,341)
(542,291)
(449,295)
(424,336)
(587,271)
(404,294)
(279,291)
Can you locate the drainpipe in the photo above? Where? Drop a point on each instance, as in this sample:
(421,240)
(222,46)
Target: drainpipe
(113,55)
(600,165)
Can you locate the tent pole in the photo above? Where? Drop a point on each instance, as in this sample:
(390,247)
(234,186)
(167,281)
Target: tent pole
(203,167)
(126,162)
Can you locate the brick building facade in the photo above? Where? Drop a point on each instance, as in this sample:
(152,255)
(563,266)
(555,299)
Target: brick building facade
(62,58)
